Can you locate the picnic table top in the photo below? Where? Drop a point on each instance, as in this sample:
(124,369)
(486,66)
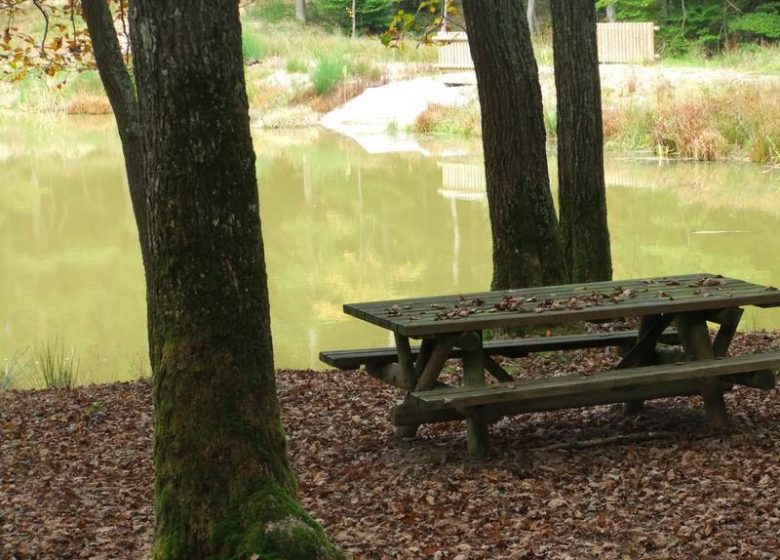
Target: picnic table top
(548,305)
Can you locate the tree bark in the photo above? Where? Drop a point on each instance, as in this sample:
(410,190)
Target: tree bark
(530,14)
(300,10)
(121,94)
(581,192)
(526,241)
(223,487)
(611,13)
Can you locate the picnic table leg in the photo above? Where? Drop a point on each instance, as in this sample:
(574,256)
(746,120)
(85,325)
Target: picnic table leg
(643,353)
(430,361)
(696,341)
(474,376)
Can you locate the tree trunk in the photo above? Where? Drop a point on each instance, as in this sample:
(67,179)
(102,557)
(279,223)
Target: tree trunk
(611,13)
(530,14)
(581,193)
(300,10)
(223,487)
(121,94)
(526,241)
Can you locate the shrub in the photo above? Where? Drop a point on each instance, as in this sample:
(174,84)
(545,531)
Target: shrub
(252,47)
(328,72)
(272,11)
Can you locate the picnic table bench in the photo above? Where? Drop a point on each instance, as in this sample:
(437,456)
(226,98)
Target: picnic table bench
(454,326)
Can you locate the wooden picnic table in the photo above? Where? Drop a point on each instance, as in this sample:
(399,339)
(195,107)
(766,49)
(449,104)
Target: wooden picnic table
(455,325)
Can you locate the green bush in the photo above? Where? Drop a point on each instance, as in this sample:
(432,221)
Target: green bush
(252,47)
(272,11)
(328,72)
(373,16)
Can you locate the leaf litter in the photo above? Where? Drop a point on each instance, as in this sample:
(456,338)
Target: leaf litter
(76,474)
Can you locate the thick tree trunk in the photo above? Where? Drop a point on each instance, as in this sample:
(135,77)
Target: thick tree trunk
(526,241)
(581,194)
(300,10)
(223,485)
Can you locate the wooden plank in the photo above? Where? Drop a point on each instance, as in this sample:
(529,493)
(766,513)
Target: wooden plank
(496,370)
(418,317)
(439,356)
(405,360)
(512,348)
(391,374)
(474,376)
(643,352)
(729,320)
(696,341)
(415,411)
(616,380)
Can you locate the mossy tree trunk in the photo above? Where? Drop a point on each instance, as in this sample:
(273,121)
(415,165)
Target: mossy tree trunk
(581,194)
(526,241)
(223,487)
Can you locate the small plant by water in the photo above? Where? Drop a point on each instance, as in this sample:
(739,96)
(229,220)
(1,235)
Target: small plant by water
(12,368)
(54,367)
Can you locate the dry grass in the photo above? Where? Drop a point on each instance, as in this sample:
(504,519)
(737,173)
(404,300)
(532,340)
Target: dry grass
(88,104)
(288,117)
(688,129)
(342,93)
(706,124)
(446,119)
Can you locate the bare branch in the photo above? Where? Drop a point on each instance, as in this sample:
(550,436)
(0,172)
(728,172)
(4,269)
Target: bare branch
(45,29)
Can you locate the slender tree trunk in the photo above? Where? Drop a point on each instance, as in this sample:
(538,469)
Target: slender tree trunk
(581,194)
(121,94)
(223,487)
(526,241)
(300,10)
(611,13)
(530,14)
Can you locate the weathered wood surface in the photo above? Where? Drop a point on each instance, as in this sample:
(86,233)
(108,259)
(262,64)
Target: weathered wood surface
(615,380)
(551,305)
(511,348)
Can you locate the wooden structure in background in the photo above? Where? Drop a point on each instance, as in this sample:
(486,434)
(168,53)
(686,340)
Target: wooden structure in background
(626,43)
(618,43)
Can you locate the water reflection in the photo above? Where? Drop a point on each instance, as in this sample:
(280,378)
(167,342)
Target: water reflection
(340,225)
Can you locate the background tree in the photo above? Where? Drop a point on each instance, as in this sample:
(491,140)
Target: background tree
(223,487)
(581,193)
(300,10)
(526,242)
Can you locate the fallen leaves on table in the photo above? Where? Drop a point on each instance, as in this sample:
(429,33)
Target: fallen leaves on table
(76,474)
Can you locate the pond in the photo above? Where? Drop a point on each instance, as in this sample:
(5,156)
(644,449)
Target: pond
(341,223)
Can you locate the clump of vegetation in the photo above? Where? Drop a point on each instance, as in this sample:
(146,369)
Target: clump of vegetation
(12,368)
(446,119)
(706,125)
(328,71)
(252,47)
(687,129)
(54,367)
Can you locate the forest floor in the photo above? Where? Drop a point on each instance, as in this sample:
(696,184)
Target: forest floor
(76,474)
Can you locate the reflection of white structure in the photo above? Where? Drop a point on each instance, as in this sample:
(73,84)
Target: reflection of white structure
(462,181)
(466,181)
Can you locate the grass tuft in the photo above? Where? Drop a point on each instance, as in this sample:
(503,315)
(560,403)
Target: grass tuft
(54,367)
(252,47)
(328,72)
(12,368)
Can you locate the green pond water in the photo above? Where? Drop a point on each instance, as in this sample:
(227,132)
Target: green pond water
(340,224)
